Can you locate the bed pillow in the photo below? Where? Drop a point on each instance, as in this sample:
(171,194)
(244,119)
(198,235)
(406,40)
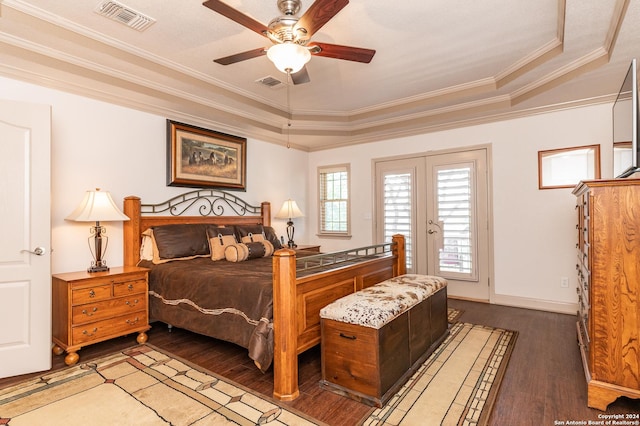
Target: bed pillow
(218,245)
(245,251)
(215,230)
(271,236)
(179,242)
(252,238)
(267,231)
(146,246)
(244,230)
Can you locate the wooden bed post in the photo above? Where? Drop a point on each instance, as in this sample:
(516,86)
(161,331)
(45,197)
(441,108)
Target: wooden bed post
(265,209)
(131,231)
(285,326)
(399,251)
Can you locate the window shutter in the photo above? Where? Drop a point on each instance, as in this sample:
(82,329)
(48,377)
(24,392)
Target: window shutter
(455,208)
(397,210)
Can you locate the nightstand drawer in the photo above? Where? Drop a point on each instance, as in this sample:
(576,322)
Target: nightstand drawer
(107,328)
(129,287)
(107,309)
(90,294)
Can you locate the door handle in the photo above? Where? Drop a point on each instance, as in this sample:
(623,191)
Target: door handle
(38,251)
(431,231)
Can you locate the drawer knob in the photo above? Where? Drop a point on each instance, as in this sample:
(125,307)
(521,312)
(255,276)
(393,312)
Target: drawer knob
(132,305)
(92,293)
(92,332)
(87,313)
(130,287)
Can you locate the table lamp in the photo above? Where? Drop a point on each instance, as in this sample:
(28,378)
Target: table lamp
(289,211)
(97,206)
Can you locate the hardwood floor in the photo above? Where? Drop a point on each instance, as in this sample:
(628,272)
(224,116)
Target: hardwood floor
(544,382)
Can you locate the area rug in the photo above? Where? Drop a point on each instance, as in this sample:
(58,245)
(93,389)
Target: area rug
(453,315)
(458,383)
(139,386)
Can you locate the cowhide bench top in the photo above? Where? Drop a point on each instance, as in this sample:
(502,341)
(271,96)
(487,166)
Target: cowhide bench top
(377,305)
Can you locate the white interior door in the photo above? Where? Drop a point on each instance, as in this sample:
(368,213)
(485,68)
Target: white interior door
(25,226)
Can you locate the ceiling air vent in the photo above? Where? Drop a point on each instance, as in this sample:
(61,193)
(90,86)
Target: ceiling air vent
(125,15)
(271,82)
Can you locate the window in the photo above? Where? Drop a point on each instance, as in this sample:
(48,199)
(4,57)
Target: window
(334,200)
(564,168)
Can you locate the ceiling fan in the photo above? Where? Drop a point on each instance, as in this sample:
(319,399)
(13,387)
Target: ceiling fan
(291,36)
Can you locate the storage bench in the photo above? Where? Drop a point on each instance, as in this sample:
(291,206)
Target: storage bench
(374,339)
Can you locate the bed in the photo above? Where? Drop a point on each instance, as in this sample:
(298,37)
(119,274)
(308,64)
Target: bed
(268,304)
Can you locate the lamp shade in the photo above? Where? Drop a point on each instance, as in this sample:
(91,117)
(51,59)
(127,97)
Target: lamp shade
(289,210)
(288,57)
(97,206)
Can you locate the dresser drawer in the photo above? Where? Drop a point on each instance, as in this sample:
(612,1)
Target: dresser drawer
(107,309)
(80,296)
(100,330)
(129,287)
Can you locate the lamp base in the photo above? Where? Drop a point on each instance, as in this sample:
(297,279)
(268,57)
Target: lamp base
(290,232)
(100,243)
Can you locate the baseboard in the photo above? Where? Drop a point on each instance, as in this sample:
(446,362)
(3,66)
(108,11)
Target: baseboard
(537,304)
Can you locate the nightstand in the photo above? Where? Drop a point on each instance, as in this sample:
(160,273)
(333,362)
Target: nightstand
(93,307)
(304,247)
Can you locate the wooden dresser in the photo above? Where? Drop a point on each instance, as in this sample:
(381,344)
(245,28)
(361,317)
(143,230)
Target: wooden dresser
(92,307)
(609,288)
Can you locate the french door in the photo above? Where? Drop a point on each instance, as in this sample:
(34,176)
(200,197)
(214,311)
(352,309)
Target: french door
(440,203)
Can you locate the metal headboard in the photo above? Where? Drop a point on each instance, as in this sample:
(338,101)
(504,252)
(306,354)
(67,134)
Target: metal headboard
(207,202)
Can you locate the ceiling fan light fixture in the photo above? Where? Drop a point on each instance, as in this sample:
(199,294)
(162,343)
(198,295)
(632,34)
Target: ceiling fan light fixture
(288,57)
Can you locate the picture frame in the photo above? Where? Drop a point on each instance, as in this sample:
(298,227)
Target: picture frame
(202,158)
(566,167)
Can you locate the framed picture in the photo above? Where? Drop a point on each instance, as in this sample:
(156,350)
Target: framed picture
(565,167)
(201,158)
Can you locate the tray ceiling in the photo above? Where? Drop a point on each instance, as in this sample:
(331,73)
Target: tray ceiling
(438,64)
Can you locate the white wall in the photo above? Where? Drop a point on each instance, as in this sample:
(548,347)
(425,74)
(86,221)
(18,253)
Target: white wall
(534,231)
(95,144)
(123,151)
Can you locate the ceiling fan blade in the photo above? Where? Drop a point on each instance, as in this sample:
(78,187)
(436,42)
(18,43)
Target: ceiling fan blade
(231,13)
(356,54)
(301,76)
(318,14)
(227,60)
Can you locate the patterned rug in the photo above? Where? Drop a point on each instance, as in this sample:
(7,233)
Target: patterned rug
(139,386)
(457,385)
(453,315)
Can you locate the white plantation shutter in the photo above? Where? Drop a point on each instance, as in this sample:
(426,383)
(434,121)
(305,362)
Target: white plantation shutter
(397,216)
(334,200)
(455,207)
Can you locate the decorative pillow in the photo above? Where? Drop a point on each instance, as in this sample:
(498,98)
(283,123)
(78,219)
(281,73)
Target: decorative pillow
(268,248)
(179,242)
(271,236)
(215,230)
(219,244)
(252,238)
(146,247)
(245,251)
(244,230)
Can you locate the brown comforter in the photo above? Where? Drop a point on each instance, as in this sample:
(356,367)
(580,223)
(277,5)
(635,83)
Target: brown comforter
(225,300)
